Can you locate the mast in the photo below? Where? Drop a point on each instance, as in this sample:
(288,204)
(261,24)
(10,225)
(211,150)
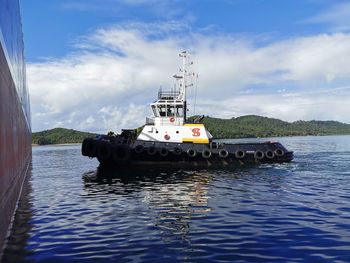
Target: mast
(183,85)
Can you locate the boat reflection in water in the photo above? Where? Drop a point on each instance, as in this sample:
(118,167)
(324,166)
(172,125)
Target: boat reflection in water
(174,197)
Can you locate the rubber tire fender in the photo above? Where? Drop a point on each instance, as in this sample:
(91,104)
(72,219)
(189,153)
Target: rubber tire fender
(163,152)
(104,151)
(269,154)
(88,147)
(151,150)
(239,154)
(279,152)
(177,151)
(206,153)
(259,155)
(139,149)
(191,152)
(223,153)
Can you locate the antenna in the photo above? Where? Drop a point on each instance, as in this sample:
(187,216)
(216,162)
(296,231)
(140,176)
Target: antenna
(182,78)
(184,74)
(195,95)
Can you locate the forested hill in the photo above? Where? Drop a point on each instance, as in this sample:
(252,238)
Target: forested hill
(257,126)
(59,136)
(241,127)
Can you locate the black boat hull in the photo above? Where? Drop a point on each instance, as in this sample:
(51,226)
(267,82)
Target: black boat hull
(111,150)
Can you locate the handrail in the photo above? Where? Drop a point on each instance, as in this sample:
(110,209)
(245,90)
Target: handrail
(168,95)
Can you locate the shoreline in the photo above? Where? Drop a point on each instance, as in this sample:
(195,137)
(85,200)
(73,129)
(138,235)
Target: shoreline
(57,144)
(239,138)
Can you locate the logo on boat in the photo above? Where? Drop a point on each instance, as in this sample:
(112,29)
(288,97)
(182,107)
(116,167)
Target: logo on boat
(196,132)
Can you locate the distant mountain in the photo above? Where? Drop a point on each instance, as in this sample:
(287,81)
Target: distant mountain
(257,126)
(241,127)
(59,136)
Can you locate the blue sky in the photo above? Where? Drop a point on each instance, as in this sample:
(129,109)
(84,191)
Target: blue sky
(52,26)
(96,64)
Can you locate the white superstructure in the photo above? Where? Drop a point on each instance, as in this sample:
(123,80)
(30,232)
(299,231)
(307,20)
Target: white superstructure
(168,123)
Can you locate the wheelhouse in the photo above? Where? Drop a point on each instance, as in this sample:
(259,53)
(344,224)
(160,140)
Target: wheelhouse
(168,109)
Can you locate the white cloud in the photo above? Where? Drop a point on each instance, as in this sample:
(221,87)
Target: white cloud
(338,17)
(115,72)
(324,104)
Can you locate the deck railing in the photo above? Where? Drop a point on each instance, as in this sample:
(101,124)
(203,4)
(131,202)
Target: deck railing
(168,95)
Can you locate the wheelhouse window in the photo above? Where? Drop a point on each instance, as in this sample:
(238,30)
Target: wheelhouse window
(179,111)
(162,110)
(154,110)
(170,110)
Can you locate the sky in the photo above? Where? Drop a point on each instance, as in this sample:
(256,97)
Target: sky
(95,65)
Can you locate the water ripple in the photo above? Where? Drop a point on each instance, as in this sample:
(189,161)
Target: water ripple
(296,212)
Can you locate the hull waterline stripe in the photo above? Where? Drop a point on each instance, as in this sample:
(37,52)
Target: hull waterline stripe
(195,140)
(194,124)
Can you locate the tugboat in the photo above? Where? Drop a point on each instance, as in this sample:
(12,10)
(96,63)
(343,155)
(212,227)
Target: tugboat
(169,138)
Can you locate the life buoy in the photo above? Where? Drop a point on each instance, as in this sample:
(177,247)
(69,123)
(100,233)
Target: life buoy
(259,155)
(89,147)
(269,154)
(206,154)
(166,137)
(172,119)
(223,153)
(239,154)
(164,152)
(139,149)
(279,152)
(103,151)
(177,151)
(191,152)
(121,154)
(151,150)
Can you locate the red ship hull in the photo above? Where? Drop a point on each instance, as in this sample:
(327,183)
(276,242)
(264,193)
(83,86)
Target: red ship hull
(15,131)
(15,147)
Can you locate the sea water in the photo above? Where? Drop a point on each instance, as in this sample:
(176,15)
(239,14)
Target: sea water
(295,212)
